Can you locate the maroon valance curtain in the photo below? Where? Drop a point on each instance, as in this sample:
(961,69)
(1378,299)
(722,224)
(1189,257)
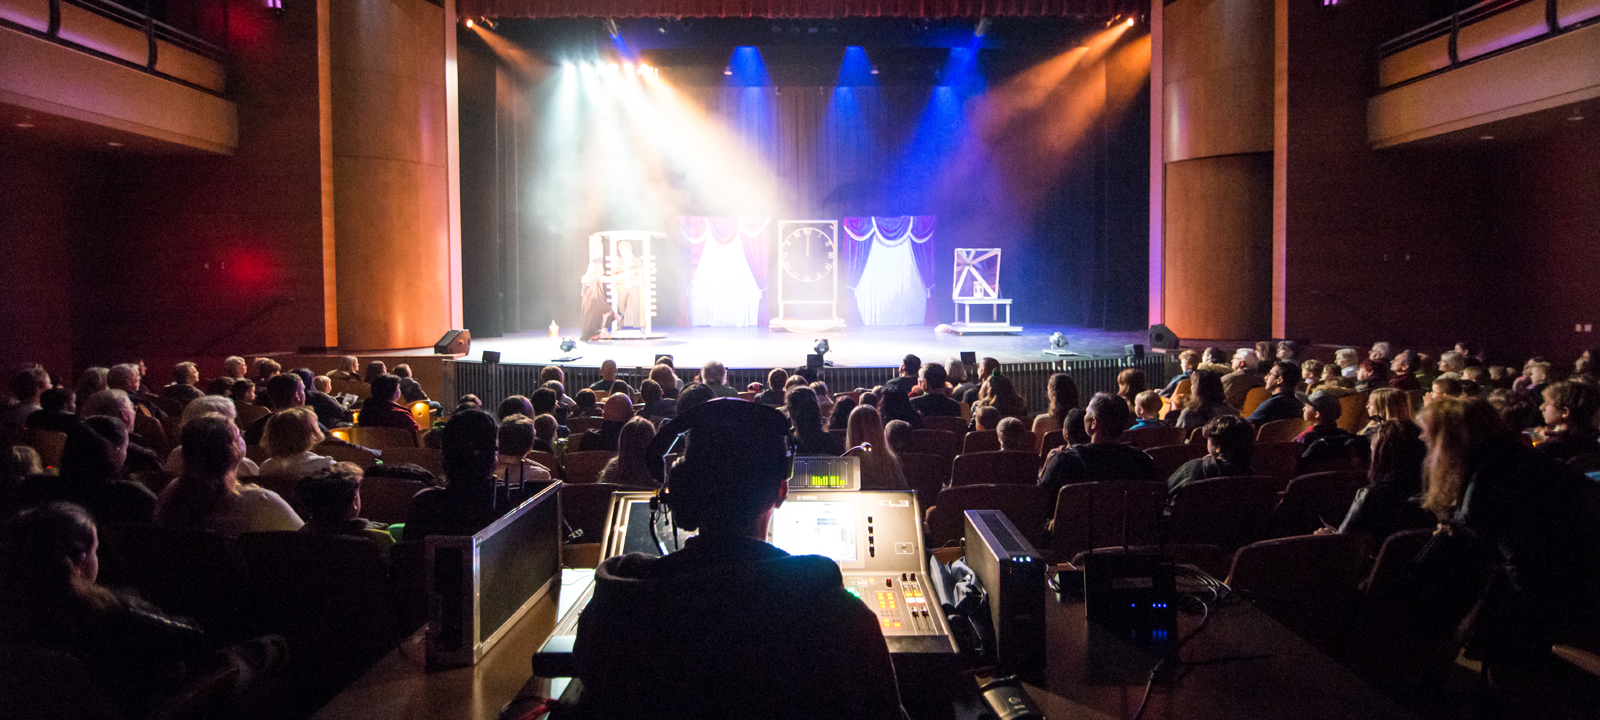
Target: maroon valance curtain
(817,9)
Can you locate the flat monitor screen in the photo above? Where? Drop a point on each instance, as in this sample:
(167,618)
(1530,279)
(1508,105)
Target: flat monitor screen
(826,473)
(817,528)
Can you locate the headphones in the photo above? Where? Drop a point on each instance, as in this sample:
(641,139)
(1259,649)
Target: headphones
(720,437)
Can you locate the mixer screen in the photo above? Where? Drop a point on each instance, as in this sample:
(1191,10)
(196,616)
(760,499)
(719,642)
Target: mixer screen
(816,528)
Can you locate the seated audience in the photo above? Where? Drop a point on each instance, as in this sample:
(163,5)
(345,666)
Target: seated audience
(265,369)
(1348,361)
(999,393)
(987,367)
(1074,433)
(1236,386)
(617,412)
(868,399)
(935,399)
(1207,400)
(331,413)
(468,502)
(1322,411)
(410,389)
(1372,376)
(1013,436)
(55,411)
(910,366)
(1188,360)
(205,405)
(1390,502)
(656,403)
(777,381)
(1130,383)
(956,374)
(545,433)
(284,391)
(1537,375)
(1289,352)
(1569,412)
(1230,441)
(1062,393)
(630,466)
(1386,404)
(694,395)
(235,367)
(714,375)
(348,370)
(585,405)
(667,378)
(898,434)
(985,418)
(896,406)
(93,380)
(514,405)
(91,476)
(608,381)
(131,652)
(115,403)
(880,467)
(517,437)
(1146,411)
(1104,457)
(127,378)
(1403,371)
(383,409)
(824,396)
(290,435)
(243,392)
(185,384)
(839,417)
(659,640)
(208,495)
(27,384)
(1445,386)
(332,499)
(1282,403)
(375,369)
(1310,375)
(805,418)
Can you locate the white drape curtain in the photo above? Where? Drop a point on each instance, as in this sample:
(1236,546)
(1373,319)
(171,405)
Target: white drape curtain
(891,291)
(724,291)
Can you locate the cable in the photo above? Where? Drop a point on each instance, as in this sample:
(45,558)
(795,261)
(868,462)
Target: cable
(1219,592)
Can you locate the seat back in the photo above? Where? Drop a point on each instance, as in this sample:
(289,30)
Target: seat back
(840,435)
(979,441)
(357,388)
(926,474)
(38,683)
(547,460)
(1253,400)
(383,438)
(361,456)
(256,453)
(1025,505)
(584,466)
(1280,430)
(49,444)
(246,414)
(1314,499)
(1209,558)
(155,436)
(936,442)
(583,509)
(1353,412)
(1585,463)
(1277,459)
(427,458)
(1050,441)
(1171,457)
(580,425)
(1229,512)
(995,468)
(1306,582)
(284,484)
(388,500)
(947,423)
(1098,514)
(1145,438)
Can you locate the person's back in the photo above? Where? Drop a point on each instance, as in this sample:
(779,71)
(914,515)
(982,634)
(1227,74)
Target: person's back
(1104,457)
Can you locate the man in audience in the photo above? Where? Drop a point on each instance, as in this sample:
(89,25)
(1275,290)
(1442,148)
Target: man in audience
(617,411)
(1236,386)
(55,411)
(1104,457)
(544,402)
(284,391)
(410,390)
(654,404)
(125,377)
(185,379)
(26,385)
(693,395)
(585,406)
(1013,436)
(1569,412)
(1229,442)
(332,501)
(1282,403)
(909,367)
(1404,372)
(777,385)
(564,404)
(986,367)
(1380,353)
(1349,361)
(554,373)
(1147,411)
(517,436)
(658,640)
(1188,360)
(608,381)
(667,378)
(383,409)
(115,403)
(935,399)
(714,375)
(1289,352)
(330,412)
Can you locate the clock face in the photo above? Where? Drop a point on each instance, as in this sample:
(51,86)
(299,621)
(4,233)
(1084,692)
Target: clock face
(807,254)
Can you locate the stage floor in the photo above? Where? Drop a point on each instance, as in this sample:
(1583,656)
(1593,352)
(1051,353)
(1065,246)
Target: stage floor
(851,347)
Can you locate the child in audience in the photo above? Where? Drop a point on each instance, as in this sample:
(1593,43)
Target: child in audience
(586,406)
(1147,411)
(1230,440)
(1013,436)
(1569,410)
(986,418)
(1322,411)
(898,434)
(332,499)
(545,428)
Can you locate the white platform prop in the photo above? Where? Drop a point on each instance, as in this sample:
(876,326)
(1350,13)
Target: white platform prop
(977,282)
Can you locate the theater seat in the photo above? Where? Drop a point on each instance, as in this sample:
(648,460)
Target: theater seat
(584,466)
(1229,512)
(995,468)
(1099,514)
(1025,505)
(926,474)
(1307,582)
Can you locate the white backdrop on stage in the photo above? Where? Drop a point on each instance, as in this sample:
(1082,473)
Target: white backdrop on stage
(890,288)
(724,291)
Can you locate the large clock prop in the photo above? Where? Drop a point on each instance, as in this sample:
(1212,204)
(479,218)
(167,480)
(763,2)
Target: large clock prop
(808,276)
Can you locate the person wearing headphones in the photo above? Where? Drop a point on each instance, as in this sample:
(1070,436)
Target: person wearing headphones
(729,626)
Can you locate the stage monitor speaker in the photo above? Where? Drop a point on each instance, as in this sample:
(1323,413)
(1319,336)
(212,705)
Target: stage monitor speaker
(1133,351)
(969,359)
(454,342)
(814,361)
(491,357)
(1162,338)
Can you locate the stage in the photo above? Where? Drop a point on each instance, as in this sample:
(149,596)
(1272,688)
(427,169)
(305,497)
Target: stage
(760,349)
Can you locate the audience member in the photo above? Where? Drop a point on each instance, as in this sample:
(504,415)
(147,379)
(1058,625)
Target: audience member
(1380,353)
(1146,411)
(1322,411)
(839,418)
(468,502)
(243,392)
(880,467)
(1281,404)
(235,367)
(208,405)
(1208,400)
(585,405)
(348,371)
(1569,415)
(1130,383)
(986,418)
(956,374)
(777,381)
(898,434)
(896,406)
(127,378)
(618,410)
(185,384)
(1062,393)
(1348,361)
(935,399)
(631,465)
(667,378)
(1404,372)
(1386,404)
(655,404)
(93,380)
(1390,502)
(545,433)
(1310,375)
(91,475)
(805,419)
(693,395)
(608,382)
(1236,386)
(1266,354)
(27,384)
(332,499)
(868,399)
(714,375)
(55,411)
(383,409)
(410,389)
(283,392)
(289,437)
(208,495)
(1289,352)
(514,405)
(1000,394)
(987,367)
(824,396)
(1230,441)
(115,403)
(375,370)
(330,412)
(1104,457)
(517,437)
(1074,433)
(1013,436)
(910,365)
(1188,360)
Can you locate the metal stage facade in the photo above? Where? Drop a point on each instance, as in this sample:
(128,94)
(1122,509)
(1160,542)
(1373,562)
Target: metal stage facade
(862,357)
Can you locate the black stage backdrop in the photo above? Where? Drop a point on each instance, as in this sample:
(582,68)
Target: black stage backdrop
(1080,260)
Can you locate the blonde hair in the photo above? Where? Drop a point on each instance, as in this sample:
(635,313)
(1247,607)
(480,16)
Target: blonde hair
(1149,401)
(880,464)
(1452,428)
(1392,404)
(291,432)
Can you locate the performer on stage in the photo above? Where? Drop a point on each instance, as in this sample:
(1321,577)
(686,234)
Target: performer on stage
(627,285)
(596,312)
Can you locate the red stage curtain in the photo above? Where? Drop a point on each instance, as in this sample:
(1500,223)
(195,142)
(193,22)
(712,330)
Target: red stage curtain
(818,9)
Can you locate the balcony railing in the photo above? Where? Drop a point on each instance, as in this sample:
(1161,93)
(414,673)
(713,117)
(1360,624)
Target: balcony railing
(1482,31)
(131,38)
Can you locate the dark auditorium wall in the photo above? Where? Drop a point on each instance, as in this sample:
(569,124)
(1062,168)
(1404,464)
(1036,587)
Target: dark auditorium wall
(43,193)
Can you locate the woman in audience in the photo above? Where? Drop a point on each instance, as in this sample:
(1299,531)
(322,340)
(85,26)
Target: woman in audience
(290,436)
(266,370)
(630,466)
(880,467)
(132,653)
(896,405)
(955,373)
(347,369)
(375,369)
(824,397)
(586,406)
(468,502)
(839,417)
(383,409)
(206,405)
(1371,376)
(1130,383)
(1062,392)
(208,495)
(868,399)
(1230,440)
(1390,502)
(1208,401)
(999,393)
(1386,404)
(805,417)
(1540,517)
(90,382)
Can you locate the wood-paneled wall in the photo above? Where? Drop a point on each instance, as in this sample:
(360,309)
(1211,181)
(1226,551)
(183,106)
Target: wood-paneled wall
(1218,249)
